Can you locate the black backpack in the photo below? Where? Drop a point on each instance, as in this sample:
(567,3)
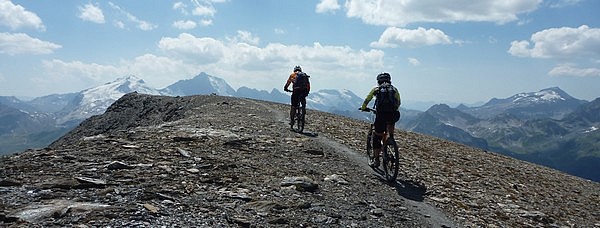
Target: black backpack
(301,80)
(385,98)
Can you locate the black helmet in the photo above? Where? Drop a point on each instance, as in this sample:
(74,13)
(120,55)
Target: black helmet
(384,77)
(297,68)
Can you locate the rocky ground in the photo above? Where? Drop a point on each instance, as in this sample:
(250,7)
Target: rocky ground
(212,161)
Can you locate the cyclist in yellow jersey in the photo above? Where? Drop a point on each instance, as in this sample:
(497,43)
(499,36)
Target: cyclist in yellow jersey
(387,104)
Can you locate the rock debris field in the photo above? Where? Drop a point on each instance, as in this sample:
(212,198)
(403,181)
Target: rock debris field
(213,161)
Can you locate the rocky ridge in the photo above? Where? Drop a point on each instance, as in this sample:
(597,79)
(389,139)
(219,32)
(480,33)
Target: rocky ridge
(153,161)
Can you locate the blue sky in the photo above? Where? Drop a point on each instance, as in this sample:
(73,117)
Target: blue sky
(436,50)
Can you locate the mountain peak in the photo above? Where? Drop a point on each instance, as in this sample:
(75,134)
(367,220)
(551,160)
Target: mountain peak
(202,83)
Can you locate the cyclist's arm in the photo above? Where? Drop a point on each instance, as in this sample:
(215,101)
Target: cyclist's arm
(289,81)
(398,97)
(368,98)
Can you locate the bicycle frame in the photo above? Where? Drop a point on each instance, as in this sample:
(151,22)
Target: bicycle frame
(389,150)
(300,115)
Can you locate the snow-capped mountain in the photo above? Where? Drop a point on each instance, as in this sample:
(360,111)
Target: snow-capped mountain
(331,100)
(547,103)
(569,144)
(94,101)
(200,84)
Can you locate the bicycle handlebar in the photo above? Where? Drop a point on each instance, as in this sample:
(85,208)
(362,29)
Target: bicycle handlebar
(368,110)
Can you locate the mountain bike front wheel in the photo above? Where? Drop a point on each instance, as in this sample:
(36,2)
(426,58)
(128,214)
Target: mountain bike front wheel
(299,127)
(391,160)
(369,147)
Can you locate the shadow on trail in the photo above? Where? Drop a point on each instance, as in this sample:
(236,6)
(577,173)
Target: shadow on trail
(406,188)
(307,133)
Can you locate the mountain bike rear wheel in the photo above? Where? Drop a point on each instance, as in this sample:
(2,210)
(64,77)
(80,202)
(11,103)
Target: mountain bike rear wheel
(391,160)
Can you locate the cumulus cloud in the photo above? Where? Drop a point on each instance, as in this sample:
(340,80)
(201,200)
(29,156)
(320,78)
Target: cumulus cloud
(181,7)
(568,70)
(76,69)
(15,17)
(202,10)
(564,42)
(205,11)
(156,70)
(239,51)
(185,25)
(232,59)
(20,43)
(401,13)
(245,37)
(206,50)
(90,12)
(394,37)
(327,6)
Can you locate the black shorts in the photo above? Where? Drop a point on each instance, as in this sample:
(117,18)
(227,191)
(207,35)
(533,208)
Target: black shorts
(384,118)
(298,95)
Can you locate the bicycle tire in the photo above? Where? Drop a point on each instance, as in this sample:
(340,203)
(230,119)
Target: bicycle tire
(391,160)
(369,145)
(299,120)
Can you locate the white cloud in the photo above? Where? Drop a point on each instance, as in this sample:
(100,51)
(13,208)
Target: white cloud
(229,58)
(564,42)
(327,6)
(141,24)
(394,37)
(232,59)
(181,7)
(186,25)
(568,70)
(519,48)
(15,17)
(414,62)
(92,13)
(155,70)
(563,3)
(245,37)
(401,13)
(205,49)
(76,69)
(20,43)
(202,10)
(206,22)
(119,24)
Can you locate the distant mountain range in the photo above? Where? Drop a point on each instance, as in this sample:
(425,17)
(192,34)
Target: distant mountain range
(547,127)
(38,122)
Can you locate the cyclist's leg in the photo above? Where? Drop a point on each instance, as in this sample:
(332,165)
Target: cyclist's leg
(303,101)
(294,104)
(378,136)
(391,123)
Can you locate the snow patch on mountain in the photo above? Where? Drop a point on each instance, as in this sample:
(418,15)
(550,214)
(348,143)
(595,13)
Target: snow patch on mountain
(333,99)
(541,96)
(95,101)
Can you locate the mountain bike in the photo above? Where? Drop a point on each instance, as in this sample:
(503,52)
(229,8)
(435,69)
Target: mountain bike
(389,152)
(299,117)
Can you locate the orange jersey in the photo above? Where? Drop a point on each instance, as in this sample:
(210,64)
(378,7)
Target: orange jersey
(291,80)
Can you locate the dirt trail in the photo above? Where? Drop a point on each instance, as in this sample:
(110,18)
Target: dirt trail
(413,194)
